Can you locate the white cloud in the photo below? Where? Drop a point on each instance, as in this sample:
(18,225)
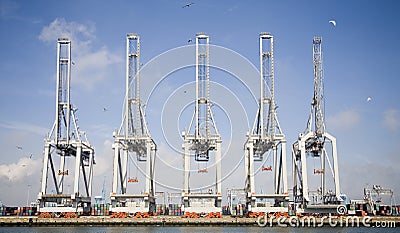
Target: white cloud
(92,68)
(169,157)
(343,120)
(391,119)
(25,166)
(104,160)
(92,65)
(369,171)
(80,35)
(26,127)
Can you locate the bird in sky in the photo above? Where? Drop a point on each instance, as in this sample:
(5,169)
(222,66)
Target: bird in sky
(369,99)
(190,40)
(188,5)
(105,109)
(30,156)
(333,22)
(19,147)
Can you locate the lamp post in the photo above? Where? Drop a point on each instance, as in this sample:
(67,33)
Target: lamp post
(27,199)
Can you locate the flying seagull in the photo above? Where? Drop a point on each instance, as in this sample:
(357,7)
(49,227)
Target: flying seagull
(105,109)
(19,147)
(369,99)
(190,40)
(188,5)
(333,22)
(30,156)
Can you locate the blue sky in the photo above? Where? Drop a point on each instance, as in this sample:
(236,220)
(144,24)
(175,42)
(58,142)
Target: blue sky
(360,61)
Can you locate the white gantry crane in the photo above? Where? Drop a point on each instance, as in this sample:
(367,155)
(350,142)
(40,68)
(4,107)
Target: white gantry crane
(316,144)
(132,142)
(63,143)
(266,139)
(202,137)
(374,195)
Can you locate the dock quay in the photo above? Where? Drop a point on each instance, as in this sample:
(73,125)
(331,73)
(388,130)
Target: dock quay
(342,221)
(107,221)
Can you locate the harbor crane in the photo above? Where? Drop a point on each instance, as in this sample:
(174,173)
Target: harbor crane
(266,138)
(63,143)
(316,143)
(374,194)
(133,142)
(202,137)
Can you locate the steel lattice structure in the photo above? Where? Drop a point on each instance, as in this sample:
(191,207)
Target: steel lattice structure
(202,136)
(374,194)
(266,137)
(314,144)
(63,143)
(133,140)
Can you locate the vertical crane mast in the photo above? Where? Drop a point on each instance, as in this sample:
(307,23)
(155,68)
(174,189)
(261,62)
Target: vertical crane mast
(267,102)
(63,116)
(318,100)
(204,138)
(266,137)
(133,126)
(315,141)
(133,138)
(65,141)
(202,87)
